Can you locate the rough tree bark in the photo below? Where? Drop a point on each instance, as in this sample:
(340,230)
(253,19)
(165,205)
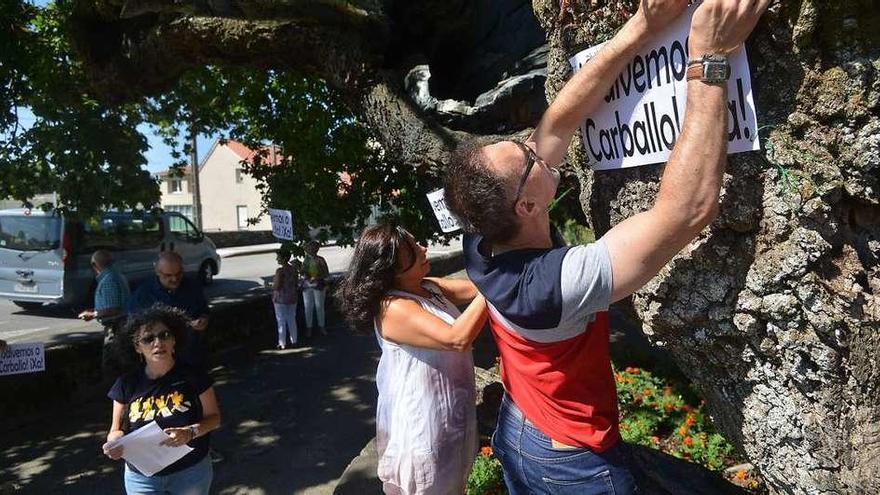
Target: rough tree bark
(773,312)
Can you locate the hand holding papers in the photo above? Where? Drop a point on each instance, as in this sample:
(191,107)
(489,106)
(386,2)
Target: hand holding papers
(144,449)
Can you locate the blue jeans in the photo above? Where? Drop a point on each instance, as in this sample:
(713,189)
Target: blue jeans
(194,480)
(532,465)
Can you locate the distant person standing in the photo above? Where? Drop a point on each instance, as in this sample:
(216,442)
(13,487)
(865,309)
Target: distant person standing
(111,296)
(2,345)
(285,293)
(171,288)
(315,273)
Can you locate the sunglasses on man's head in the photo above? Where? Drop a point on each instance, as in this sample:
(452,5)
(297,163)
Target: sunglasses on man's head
(148,339)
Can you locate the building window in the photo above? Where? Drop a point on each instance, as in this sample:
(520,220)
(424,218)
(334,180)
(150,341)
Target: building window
(239,176)
(185,210)
(175,186)
(242,217)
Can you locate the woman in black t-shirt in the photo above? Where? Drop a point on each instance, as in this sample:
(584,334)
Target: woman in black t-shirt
(180,400)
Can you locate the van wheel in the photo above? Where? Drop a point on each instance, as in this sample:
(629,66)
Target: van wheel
(206,273)
(28,305)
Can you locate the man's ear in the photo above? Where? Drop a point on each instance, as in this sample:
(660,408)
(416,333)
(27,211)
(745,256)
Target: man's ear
(529,206)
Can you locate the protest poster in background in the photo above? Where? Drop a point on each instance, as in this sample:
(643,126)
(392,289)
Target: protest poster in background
(282,224)
(22,358)
(640,118)
(448,222)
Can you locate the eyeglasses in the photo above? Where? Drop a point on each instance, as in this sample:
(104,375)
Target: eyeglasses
(530,158)
(149,338)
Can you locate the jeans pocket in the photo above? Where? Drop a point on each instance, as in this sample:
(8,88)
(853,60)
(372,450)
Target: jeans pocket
(597,484)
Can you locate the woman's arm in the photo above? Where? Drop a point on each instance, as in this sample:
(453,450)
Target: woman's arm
(115,431)
(458,290)
(210,421)
(404,321)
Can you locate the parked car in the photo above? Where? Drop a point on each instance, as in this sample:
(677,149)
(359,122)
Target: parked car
(46,258)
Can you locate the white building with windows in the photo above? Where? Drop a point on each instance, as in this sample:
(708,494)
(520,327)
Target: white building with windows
(229,196)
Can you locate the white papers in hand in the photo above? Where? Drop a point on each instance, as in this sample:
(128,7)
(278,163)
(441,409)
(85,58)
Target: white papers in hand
(143,450)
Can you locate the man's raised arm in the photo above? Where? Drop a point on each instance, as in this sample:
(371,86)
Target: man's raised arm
(688,199)
(582,93)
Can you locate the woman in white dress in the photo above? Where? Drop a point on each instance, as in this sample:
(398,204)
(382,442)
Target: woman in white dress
(426,429)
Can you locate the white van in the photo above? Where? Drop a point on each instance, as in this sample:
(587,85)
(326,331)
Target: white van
(45,258)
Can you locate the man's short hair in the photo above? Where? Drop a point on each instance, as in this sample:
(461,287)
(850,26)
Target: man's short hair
(102,258)
(480,199)
(169,257)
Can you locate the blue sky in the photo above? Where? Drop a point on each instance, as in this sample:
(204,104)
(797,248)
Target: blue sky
(159,156)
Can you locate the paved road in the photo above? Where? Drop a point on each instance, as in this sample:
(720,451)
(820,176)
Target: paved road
(239,277)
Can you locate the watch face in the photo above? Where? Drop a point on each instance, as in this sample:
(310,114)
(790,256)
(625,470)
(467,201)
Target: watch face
(716,72)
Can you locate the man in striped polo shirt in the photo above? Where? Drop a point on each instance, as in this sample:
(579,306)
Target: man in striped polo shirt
(558,425)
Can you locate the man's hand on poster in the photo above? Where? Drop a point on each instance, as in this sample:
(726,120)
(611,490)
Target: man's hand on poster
(719,27)
(659,13)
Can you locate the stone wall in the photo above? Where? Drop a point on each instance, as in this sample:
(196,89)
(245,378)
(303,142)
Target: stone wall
(241,238)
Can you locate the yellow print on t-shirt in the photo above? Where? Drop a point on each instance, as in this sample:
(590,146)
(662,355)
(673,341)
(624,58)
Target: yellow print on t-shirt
(146,408)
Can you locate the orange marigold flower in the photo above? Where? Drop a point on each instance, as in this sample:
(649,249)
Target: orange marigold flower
(741,475)
(655,440)
(637,398)
(690,420)
(648,392)
(683,431)
(486,451)
(688,441)
(669,407)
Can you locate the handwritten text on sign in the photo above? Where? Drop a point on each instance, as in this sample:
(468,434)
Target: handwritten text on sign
(448,222)
(641,116)
(282,223)
(22,358)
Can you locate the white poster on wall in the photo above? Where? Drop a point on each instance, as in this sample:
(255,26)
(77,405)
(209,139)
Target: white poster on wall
(282,224)
(22,358)
(448,222)
(641,115)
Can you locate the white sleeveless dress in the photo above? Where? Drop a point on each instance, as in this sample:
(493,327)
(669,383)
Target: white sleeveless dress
(426,427)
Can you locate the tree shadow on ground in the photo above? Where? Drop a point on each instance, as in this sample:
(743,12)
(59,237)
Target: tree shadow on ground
(292,420)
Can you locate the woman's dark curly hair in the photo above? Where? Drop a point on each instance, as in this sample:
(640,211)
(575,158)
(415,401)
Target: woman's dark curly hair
(174,319)
(371,273)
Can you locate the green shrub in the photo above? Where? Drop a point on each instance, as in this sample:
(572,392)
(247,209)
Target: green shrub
(486,477)
(653,413)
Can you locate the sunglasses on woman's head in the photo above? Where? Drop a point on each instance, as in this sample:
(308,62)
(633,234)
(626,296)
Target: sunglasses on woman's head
(148,339)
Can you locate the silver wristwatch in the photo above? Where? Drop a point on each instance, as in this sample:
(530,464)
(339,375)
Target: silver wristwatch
(712,69)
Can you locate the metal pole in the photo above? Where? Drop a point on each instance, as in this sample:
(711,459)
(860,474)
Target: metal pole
(194,163)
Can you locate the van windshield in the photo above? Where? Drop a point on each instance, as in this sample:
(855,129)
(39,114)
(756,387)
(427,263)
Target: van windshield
(30,233)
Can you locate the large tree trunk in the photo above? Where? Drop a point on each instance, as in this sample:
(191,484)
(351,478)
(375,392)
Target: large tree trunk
(773,312)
